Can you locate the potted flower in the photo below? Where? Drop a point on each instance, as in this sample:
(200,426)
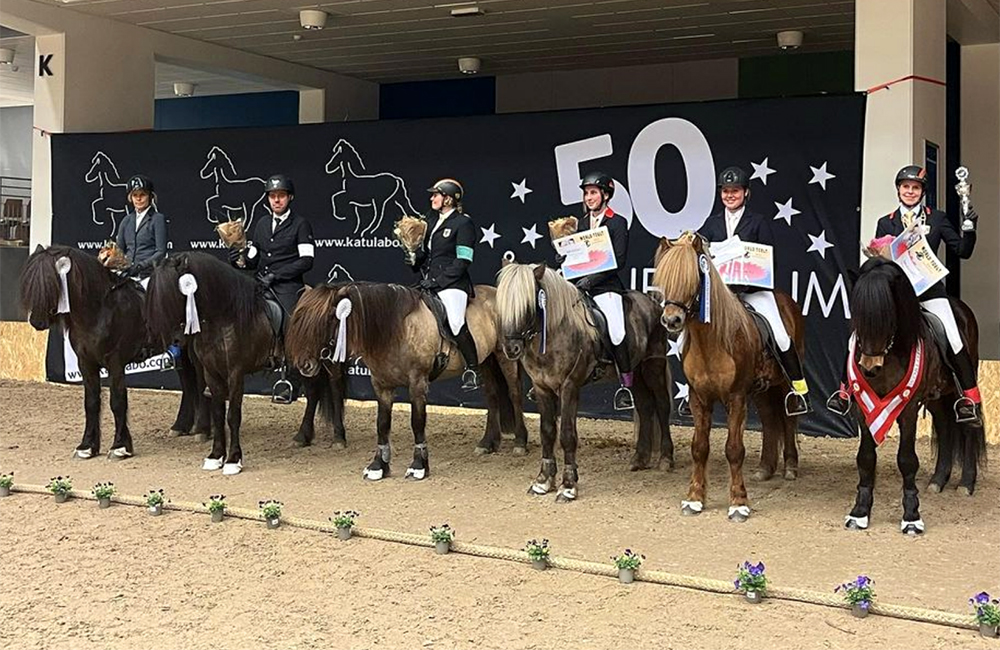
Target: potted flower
(6,480)
(859,594)
(628,563)
(216,505)
(442,536)
(538,552)
(60,487)
(987,614)
(343,521)
(104,492)
(750,579)
(271,511)
(155,501)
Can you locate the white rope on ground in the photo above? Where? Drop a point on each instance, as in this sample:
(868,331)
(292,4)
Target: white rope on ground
(938,617)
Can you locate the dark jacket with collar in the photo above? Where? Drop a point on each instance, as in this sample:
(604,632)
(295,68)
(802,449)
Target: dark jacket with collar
(447,253)
(287,252)
(144,247)
(752,227)
(608,281)
(959,243)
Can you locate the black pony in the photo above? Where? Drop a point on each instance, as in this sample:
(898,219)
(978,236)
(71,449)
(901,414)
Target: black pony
(102,313)
(235,338)
(889,328)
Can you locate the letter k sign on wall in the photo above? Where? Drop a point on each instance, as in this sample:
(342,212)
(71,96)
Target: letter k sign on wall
(43,65)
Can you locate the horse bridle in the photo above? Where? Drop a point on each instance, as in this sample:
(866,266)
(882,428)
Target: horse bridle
(883,353)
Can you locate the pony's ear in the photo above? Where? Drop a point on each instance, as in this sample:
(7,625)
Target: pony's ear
(697,242)
(539,272)
(39,248)
(661,249)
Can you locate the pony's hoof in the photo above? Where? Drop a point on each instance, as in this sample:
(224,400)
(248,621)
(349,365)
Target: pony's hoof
(178,433)
(520,451)
(639,463)
(482,451)
(691,508)
(83,454)
(119,453)
(416,474)
(301,442)
(934,488)
(202,437)
(339,445)
(762,475)
(739,514)
(855,523)
(232,469)
(566,495)
(374,474)
(791,474)
(539,489)
(965,490)
(212,464)
(912,528)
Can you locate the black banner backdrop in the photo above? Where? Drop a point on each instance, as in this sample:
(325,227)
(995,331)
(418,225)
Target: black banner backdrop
(353,180)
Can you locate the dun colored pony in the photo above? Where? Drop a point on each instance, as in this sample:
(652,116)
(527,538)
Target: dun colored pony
(561,351)
(102,313)
(888,326)
(725,360)
(235,339)
(397,336)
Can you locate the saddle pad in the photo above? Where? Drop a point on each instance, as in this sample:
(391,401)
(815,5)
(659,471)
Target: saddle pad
(275,315)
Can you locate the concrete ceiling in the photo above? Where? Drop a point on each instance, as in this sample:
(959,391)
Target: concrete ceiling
(410,40)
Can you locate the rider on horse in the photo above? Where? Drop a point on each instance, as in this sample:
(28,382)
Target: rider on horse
(911,184)
(282,251)
(736,220)
(443,262)
(607,288)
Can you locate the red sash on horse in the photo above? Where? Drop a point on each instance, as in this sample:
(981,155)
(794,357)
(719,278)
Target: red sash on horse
(881,412)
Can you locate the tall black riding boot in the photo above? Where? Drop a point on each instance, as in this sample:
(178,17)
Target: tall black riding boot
(796,402)
(968,407)
(467,346)
(623,396)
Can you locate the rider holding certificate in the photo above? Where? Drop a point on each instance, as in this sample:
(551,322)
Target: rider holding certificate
(735,220)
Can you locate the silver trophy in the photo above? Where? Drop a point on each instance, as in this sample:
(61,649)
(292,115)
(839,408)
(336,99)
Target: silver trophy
(964,190)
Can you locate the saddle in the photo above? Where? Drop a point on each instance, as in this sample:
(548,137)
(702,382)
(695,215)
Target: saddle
(276,316)
(940,336)
(767,341)
(600,323)
(436,306)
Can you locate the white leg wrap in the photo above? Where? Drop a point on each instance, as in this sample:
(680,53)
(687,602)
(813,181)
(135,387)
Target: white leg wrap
(861,523)
(918,525)
(232,469)
(212,464)
(83,454)
(417,474)
(119,453)
(743,511)
(372,474)
(568,494)
(693,506)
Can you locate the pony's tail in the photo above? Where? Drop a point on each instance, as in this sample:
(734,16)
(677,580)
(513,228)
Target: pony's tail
(331,392)
(165,303)
(508,424)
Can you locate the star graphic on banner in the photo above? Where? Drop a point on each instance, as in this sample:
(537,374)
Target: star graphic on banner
(761,171)
(820,175)
(682,390)
(521,190)
(819,244)
(785,211)
(490,235)
(675,348)
(531,235)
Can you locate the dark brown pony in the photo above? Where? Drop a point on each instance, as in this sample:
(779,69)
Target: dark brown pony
(235,339)
(888,323)
(104,322)
(725,360)
(397,336)
(572,357)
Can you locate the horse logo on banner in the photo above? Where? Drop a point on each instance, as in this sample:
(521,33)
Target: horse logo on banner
(365,196)
(234,198)
(112,195)
(339,274)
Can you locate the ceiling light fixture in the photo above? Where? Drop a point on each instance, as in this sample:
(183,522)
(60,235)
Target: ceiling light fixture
(312,19)
(6,56)
(790,40)
(183,89)
(464,12)
(469,64)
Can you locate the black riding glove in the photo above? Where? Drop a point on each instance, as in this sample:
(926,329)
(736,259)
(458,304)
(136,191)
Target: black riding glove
(428,284)
(585,284)
(266,280)
(234,254)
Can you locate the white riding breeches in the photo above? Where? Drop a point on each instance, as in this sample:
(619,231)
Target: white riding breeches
(941,308)
(455,301)
(144,282)
(764,303)
(614,310)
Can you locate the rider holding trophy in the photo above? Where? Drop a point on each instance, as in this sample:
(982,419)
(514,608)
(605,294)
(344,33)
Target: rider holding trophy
(911,184)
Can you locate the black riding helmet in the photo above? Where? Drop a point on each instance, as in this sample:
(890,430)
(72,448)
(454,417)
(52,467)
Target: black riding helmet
(279,182)
(601,181)
(140,182)
(912,173)
(448,187)
(734,176)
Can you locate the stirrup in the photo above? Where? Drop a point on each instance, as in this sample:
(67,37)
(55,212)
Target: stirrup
(169,363)
(841,407)
(470,379)
(282,392)
(623,399)
(531,396)
(796,404)
(684,408)
(964,419)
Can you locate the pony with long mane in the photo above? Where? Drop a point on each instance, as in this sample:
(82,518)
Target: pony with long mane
(99,311)
(547,326)
(223,317)
(897,357)
(391,328)
(725,360)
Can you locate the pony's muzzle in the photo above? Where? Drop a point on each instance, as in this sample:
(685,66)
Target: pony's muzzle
(513,349)
(871,364)
(673,322)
